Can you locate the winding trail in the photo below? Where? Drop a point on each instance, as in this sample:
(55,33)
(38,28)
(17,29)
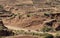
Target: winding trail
(27,30)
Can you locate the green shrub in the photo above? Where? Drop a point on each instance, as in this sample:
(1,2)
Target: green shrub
(57,35)
(46,29)
(1,7)
(0,36)
(28,15)
(49,36)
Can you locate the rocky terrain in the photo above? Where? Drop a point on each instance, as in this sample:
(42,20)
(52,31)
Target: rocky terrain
(38,15)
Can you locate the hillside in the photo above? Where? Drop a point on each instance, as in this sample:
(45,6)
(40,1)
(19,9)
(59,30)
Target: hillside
(31,14)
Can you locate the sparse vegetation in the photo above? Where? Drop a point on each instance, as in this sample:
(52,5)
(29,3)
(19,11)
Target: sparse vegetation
(49,36)
(46,29)
(57,35)
(30,14)
(1,7)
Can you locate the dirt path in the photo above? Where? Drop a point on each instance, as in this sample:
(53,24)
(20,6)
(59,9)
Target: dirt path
(27,30)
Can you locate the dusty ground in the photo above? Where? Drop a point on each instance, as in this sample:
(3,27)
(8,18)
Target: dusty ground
(23,37)
(29,14)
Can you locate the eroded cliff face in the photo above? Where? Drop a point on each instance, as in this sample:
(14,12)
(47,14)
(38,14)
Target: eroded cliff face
(30,14)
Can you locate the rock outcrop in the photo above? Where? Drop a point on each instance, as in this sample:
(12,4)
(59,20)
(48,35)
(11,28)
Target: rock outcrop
(4,30)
